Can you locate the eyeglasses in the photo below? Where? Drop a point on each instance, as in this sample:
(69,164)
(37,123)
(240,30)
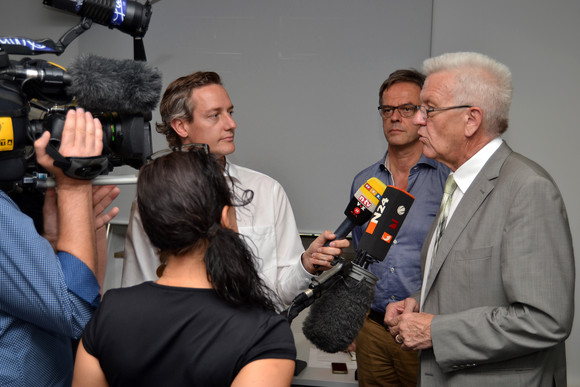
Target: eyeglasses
(193,147)
(405,111)
(425,111)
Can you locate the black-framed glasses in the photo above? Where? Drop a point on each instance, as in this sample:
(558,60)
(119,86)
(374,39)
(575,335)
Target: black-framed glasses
(193,147)
(407,110)
(425,111)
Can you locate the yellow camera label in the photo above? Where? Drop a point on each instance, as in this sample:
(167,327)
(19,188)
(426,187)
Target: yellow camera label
(6,134)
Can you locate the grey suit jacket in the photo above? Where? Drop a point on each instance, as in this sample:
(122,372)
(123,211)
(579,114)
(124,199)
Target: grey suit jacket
(502,283)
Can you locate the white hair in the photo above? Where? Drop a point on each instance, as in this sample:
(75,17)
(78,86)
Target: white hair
(479,81)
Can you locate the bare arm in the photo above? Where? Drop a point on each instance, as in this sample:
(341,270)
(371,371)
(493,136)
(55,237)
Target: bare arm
(266,373)
(88,372)
(49,217)
(82,137)
(103,196)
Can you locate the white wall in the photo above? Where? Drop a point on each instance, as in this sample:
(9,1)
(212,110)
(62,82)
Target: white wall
(539,41)
(303,76)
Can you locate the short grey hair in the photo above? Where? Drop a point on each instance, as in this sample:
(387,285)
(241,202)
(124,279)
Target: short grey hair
(479,81)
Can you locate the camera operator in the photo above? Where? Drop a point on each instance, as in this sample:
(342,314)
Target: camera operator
(47,297)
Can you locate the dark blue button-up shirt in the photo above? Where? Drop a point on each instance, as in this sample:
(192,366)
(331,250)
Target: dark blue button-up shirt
(45,301)
(400,272)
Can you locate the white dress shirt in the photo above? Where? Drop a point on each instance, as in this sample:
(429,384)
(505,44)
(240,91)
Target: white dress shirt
(267,223)
(464,176)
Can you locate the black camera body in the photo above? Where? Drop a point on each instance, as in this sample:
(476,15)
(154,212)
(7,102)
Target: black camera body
(126,137)
(13,133)
(36,94)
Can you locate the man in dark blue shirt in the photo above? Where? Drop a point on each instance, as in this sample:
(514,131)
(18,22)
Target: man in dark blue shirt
(48,292)
(381,361)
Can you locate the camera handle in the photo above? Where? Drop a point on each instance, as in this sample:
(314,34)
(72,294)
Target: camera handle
(83,168)
(26,46)
(72,34)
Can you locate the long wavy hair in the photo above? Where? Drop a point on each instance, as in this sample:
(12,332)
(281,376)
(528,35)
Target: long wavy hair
(180,198)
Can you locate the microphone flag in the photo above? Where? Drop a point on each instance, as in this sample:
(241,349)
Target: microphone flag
(386,222)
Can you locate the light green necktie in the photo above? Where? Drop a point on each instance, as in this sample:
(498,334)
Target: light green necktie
(450,186)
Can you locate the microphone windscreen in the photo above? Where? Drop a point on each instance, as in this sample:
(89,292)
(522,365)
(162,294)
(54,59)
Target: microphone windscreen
(124,86)
(338,315)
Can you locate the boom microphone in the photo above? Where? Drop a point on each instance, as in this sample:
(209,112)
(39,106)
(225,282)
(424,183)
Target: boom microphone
(122,86)
(338,315)
(319,284)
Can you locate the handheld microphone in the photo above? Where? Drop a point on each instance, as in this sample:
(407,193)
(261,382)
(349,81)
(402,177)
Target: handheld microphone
(384,226)
(123,86)
(361,206)
(336,317)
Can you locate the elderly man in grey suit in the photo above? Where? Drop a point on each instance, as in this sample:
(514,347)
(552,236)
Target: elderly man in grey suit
(497,300)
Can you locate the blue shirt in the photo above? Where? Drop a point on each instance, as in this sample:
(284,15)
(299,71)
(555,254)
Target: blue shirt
(400,272)
(45,301)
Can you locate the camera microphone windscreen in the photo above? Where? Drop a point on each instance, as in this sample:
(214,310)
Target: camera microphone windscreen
(335,318)
(113,85)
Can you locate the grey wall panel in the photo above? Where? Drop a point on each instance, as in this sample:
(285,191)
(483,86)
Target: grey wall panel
(303,77)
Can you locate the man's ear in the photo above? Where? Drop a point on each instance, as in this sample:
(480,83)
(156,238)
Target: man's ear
(474,119)
(179,126)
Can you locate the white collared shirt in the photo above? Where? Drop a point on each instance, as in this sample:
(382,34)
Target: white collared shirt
(464,176)
(267,223)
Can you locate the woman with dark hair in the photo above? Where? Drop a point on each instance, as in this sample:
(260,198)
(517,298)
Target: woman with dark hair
(209,320)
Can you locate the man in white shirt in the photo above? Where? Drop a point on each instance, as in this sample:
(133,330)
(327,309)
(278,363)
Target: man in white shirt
(197,109)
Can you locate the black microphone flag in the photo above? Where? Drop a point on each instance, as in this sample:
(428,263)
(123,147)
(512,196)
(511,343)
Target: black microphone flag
(384,225)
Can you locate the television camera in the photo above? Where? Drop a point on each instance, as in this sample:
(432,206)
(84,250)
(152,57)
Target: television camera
(36,94)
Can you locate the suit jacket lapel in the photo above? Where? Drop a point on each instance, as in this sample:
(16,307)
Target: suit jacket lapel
(471,201)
